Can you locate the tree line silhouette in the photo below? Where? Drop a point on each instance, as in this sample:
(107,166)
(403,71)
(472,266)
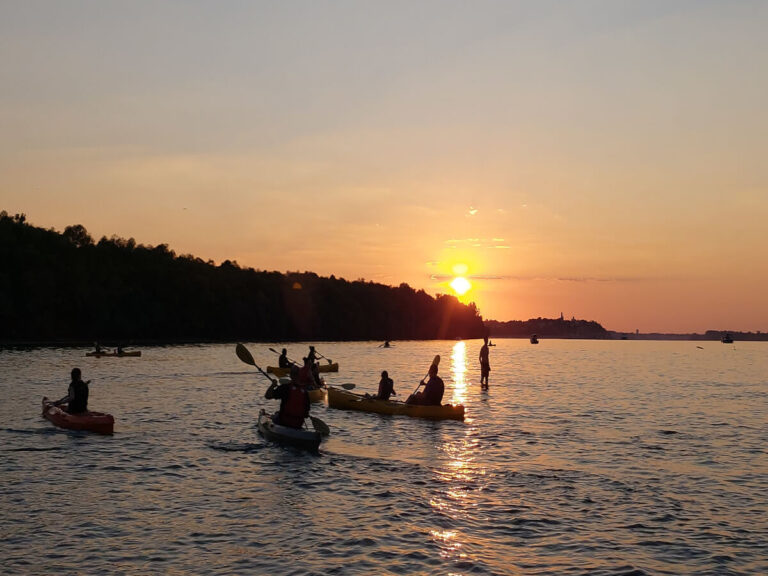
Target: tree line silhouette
(548,328)
(65,287)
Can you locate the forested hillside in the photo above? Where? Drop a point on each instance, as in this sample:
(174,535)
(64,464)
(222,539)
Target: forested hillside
(547,328)
(66,287)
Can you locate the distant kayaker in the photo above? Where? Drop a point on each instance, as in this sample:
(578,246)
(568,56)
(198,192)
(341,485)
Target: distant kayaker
(119,349)
(77,395)
(386,344)
(485,364)
(312,356)
(283,361)
(294,400)
(96,348)
(432,395)
(386,387)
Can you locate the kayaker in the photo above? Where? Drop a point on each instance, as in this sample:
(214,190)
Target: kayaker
(386,387)
(294,400)
(77,395)
(432,395)
(315,369)
(312,355)
(485,364)
(96,348)
(283,361)
(305,375)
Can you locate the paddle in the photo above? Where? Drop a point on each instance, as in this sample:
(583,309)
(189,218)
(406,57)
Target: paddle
(320,426)
(347,385)
(244,355)
(435,362)
(321,356)
(291,360)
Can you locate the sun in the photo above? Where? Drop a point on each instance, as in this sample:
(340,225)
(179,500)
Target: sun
(460,285)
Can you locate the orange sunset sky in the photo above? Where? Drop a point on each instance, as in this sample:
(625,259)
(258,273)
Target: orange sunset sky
(603,159)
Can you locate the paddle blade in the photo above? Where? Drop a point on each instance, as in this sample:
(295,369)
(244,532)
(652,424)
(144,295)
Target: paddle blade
(436,360)
(320,426)
(348,386)
(244,355)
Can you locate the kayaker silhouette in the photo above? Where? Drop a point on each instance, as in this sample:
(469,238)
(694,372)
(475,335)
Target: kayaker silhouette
(77,394)
(294,400)
(432,395)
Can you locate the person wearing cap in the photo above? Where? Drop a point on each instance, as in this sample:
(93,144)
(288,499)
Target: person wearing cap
(432,395)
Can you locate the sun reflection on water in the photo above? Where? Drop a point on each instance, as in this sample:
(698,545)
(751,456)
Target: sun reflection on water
(460,479)
(458,370)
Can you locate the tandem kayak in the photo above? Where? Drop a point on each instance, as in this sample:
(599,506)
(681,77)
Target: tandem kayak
(133,353)
(92,421)
(298,438)
(320,368)
(339,398)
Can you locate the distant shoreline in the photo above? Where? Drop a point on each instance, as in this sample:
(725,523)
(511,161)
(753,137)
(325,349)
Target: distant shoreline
(133,344)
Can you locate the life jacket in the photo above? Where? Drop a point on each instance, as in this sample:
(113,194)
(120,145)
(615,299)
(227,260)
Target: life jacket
(306,377)
(294,408)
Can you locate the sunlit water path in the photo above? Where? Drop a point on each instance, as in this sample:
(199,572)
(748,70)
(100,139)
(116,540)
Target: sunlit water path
(583,457)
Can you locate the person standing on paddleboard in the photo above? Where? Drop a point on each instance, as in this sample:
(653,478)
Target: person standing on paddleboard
(485,363)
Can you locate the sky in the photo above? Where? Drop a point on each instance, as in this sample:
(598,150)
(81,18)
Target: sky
(601,159)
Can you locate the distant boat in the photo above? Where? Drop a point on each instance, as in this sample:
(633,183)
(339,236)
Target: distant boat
(726,339)
(534,339)
(103,353)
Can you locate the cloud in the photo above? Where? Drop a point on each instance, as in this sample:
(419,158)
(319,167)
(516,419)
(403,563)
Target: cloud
(575,279)
(476,243)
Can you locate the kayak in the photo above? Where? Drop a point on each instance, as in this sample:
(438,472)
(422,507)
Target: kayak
(92,421)
(315,394)
(132,353)
(286,371)
(339,398)
(298,438)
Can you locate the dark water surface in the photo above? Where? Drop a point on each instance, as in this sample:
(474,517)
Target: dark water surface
(584,457)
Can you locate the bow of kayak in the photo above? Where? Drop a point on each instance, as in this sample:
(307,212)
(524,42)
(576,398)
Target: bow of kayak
(98,422)
(298,438)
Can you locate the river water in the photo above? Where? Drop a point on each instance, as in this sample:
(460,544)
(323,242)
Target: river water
(583,457)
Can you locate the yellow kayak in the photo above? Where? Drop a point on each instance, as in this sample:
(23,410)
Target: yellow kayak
(320,368)
(339,398)
(315,394)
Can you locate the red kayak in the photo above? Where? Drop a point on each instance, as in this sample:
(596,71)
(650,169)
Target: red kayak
(91,421)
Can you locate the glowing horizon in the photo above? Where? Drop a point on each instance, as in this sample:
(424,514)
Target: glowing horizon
(623,181)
